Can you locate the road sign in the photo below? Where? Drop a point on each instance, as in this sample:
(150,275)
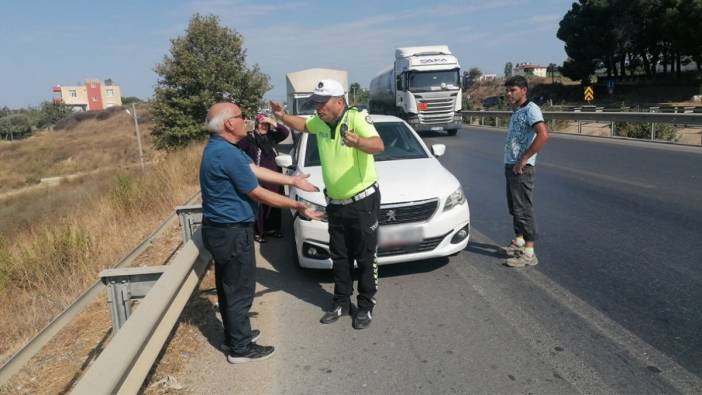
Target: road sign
(589,94)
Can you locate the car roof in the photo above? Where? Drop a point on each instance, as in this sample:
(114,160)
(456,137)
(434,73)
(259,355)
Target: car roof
(384,118)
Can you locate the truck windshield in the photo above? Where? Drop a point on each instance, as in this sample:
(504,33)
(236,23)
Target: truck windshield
(432,80)
(399,141)
(303,106)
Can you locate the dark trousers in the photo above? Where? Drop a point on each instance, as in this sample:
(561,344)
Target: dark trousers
(235,276)
(520,200)
(353,235)
(268,219)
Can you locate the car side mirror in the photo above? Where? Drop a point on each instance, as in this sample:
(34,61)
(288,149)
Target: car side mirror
(285,161)
(438,149)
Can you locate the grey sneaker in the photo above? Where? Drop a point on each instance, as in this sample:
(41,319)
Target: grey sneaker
(522,260)
(253,352)
(512,250)
(255,333)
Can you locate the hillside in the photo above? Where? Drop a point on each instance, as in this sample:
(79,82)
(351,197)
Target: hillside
(629,93)
(83,142)
(55,238)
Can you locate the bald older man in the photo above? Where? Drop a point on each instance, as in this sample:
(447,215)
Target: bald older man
(229,186)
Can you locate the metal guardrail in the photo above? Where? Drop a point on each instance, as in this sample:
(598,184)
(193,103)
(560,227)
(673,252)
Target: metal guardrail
(122,367)
(605,116)
(21,357)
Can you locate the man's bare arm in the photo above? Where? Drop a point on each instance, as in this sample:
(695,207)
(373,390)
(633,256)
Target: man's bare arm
(274,177)
(273,199)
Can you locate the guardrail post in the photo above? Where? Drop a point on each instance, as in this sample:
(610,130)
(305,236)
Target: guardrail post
(125,285)
(497,122)
(611,129)
(580,127)
(653,131)
(190,217)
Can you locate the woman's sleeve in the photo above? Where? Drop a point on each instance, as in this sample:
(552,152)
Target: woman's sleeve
(248,146)
(281,132)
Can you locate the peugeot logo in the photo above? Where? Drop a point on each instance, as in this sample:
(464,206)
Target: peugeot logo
(391,216)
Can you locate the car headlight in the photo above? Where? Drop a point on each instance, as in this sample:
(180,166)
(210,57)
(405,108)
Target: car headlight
(455,199)
(314,206)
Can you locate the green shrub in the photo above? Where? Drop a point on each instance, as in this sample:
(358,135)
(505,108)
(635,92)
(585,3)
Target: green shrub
(639,130)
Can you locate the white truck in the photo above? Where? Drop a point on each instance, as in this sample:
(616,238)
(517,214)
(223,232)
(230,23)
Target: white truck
(301,85)
(422,87)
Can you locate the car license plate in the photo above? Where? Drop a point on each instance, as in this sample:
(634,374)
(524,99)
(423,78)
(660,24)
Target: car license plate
(399,236)
(437,128)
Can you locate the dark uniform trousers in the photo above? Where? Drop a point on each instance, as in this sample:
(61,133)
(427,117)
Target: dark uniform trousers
(353,235)
(235,275)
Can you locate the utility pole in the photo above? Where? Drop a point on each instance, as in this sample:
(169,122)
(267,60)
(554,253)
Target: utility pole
(136,126)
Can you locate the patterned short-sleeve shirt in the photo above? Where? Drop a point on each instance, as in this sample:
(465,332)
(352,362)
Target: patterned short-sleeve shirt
(520,133)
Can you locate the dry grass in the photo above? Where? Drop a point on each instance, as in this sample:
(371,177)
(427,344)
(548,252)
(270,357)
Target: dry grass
(61,363)
(53,242)
(84,146)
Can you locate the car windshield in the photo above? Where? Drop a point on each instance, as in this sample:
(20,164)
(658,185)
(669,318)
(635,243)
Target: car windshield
(400,143)
(303,106)
(432,80)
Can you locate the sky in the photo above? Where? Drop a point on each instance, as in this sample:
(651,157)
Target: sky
(44,43)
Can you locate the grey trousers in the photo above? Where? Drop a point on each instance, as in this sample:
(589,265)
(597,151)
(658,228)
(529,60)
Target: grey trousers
(520,200)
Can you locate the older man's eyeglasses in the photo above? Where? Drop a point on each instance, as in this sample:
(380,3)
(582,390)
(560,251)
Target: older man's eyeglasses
(241,115)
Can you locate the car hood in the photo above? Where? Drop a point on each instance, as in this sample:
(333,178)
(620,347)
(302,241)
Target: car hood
(400,181)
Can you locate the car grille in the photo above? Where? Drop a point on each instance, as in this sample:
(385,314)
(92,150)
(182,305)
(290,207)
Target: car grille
(426,245)
(403,213)
(439,111)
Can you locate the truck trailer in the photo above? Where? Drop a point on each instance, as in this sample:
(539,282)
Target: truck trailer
(301,85)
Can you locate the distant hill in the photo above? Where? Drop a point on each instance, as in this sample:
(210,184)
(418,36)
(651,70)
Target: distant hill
(80,143)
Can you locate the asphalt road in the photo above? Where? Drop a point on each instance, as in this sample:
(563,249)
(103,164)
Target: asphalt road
(613,307)
(620,226)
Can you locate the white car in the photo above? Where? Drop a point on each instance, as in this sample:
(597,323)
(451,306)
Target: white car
(423,212)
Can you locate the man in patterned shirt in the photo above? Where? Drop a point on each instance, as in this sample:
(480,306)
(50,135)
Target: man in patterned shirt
(526,136)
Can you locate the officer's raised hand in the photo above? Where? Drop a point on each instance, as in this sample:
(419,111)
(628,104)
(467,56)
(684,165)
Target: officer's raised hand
(277,109)
(301,182)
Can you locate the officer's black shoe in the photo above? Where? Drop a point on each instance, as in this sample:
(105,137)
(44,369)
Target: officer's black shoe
(362,319)
(334,315)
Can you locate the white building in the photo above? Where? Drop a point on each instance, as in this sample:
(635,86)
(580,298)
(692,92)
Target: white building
(529,70)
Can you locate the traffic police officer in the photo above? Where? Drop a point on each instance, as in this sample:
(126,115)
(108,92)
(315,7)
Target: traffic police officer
(347,141)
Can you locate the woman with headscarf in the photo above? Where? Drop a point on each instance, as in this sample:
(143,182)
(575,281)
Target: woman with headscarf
(260,145)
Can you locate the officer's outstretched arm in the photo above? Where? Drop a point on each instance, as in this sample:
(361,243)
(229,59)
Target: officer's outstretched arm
(291,121)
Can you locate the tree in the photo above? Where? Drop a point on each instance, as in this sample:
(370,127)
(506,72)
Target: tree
(552,68)
(632,36)
(508,69)
(14,125)
(205,66)
(358,95)
(472,76)
(50,113)
(130,99)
